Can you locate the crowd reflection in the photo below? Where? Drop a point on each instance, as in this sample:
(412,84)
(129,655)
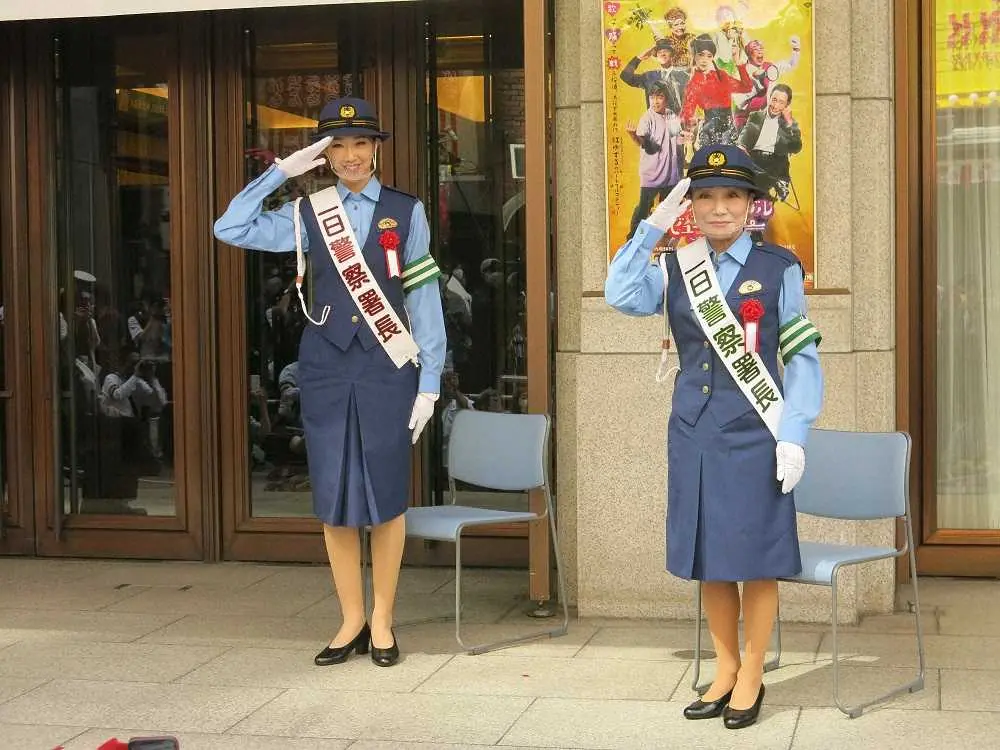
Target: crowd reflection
(116,377)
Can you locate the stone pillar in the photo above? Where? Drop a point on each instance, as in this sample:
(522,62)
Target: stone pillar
(611,415)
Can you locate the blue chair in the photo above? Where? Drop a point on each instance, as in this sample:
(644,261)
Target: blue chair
(858,476)
(506,452)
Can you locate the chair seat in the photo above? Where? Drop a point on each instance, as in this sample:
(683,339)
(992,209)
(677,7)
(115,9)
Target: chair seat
(442,522)
(819,559)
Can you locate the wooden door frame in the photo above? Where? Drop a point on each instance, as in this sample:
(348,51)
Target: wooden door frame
(939,552)
(540,303)
(181,536)
(17,532)
(390,80)
(394,83)
(242,535)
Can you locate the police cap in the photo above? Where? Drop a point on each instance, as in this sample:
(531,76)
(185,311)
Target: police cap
(349,116)
(723,166)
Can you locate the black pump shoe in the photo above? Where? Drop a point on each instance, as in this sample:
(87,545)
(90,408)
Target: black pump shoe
(707,709)
(338,654)
(386,657)
(740,719)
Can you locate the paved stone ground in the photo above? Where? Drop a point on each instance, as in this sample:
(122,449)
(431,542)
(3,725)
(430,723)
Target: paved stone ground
(221,656)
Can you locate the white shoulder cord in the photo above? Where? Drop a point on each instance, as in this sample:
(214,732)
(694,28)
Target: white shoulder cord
(300,267)
(663,372)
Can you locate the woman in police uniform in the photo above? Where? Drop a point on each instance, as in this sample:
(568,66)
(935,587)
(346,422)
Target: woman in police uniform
(730,511)
(361,412)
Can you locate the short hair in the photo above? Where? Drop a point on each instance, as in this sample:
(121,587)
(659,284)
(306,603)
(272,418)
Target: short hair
(675,13)
(784,87)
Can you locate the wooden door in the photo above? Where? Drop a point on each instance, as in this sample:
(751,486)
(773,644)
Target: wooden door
(116,223)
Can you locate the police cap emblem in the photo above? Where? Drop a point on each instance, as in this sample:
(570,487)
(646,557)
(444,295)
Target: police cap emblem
(716,159)
(347,111)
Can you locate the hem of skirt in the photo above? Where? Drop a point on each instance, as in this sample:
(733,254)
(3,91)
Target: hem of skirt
(769,576)
(362,525)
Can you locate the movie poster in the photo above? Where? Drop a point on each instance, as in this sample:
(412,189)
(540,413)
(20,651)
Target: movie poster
(680,74)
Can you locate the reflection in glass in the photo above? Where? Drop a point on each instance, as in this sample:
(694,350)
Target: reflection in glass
(968,291)
(291,74)
(4,509)
(476,92)
(114,314)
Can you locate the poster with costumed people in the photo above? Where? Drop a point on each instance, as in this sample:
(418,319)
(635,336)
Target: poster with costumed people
(681,74)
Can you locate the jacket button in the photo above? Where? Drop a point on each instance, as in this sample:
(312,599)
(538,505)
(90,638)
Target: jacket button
(705,389)
(707,345)
(354,318)
(704,366)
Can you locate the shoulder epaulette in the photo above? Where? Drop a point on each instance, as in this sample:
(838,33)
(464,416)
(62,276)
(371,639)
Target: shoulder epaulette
(784,253)
(400,192)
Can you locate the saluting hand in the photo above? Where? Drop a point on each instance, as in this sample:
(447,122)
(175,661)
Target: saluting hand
(791,460)
(305,159)
(672,207)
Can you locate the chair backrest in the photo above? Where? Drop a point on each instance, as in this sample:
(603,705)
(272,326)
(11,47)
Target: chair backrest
(855,475)
(499,451)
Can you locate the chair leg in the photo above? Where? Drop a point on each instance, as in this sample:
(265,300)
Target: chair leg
(560,630)
(910,687)
(458,590)
(917,684)
(560,579)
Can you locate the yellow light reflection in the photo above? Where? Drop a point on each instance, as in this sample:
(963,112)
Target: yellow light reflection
(462,96)
(268,118)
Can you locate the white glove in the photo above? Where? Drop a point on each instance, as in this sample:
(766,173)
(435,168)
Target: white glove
(791,465)
(672,207)
(423,410)
(305,159)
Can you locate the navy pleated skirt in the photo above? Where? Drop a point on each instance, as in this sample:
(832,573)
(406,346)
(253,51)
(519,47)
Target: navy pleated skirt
(727,518)
(356,408)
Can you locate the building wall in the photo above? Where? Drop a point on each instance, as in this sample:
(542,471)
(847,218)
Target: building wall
(611,415)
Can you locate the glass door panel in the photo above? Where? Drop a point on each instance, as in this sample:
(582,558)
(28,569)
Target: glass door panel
(475,91)
(967,190)
(291,71)
(115,320)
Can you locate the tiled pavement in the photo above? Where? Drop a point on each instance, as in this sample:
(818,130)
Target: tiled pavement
(221,656)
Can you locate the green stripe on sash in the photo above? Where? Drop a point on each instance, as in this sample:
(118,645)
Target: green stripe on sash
(421,271)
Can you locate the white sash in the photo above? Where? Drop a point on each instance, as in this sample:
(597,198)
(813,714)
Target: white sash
(349,260)
(725,333)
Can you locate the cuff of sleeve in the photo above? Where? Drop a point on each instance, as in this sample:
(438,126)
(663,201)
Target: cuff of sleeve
(273,178)
(647,235)
(430,382)
(793,433)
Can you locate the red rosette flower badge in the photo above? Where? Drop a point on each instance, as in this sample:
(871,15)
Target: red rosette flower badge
(389,240)
(751,311)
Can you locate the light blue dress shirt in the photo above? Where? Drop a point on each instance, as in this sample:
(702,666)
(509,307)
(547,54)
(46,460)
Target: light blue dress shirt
(246,225)
(635,287)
